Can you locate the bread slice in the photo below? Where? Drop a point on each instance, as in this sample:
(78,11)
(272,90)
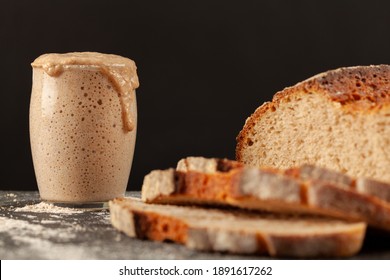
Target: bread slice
(297,190)
(339,120)
(237,231)
(362,185)
(365,186)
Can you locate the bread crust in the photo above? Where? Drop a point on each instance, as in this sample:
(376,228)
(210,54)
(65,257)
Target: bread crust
(358,89)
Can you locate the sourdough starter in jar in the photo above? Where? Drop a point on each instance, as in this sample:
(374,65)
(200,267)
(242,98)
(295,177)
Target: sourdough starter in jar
(83,121)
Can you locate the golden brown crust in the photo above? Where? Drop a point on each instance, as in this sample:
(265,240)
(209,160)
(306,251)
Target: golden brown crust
(159,227)
(357,89)
(202,185)
(242,137)
(348,85)
(225,165)
(324,245)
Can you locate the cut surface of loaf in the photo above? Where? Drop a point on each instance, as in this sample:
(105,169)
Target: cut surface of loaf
(302,190)
(339,119)
(237,231)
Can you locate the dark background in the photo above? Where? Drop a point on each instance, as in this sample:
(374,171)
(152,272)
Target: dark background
(204,66)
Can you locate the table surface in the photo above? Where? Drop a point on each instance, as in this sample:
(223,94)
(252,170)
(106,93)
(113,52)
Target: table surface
(48,234)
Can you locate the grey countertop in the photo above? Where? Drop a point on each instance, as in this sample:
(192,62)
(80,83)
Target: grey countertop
(26,233)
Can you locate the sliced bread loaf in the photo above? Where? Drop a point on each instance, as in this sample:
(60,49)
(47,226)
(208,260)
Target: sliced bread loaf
(339,119)
(237,231)
(306,190)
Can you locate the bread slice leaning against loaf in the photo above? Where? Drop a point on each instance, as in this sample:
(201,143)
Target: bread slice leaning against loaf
(223,182)
(338,119)
(237,231)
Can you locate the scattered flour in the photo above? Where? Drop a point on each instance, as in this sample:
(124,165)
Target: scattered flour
(43,241)
(44,207)
(24,229)
(42,238)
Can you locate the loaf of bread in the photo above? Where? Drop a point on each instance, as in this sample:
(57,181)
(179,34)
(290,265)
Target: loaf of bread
(339,119)
(237,231)
(307,189)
